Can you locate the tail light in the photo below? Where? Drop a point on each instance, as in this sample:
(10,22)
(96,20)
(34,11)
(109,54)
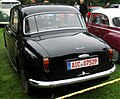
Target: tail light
(46,64)
(110,53)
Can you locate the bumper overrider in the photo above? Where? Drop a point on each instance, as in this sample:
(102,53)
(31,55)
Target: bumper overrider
(50,84)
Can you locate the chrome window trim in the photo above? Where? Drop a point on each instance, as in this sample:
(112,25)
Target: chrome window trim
(84,27)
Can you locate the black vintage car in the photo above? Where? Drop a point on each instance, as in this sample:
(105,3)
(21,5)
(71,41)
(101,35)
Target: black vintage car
(49,45)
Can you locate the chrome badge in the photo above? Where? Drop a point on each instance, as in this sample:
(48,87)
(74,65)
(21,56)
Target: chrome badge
(83,56)
(83,73)
(80,48)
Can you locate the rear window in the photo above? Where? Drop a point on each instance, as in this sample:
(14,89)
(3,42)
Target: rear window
(52,21)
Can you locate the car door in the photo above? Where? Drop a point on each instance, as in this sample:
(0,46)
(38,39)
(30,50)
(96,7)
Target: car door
(103,27)
(98,24)
(93,24)
(11,33)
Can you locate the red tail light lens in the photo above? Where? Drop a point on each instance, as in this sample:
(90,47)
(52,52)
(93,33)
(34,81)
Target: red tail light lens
(110,54)
(46,64)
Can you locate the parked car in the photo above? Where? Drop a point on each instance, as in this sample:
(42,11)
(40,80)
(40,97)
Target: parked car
(50,46)
(92,8)
(115,6)
(105,23)
(5,6)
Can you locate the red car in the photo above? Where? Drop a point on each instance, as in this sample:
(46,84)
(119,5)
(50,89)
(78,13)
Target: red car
(105,23)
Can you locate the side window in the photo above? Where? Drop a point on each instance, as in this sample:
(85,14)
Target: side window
(116,21)
(104,19)
(100,19)
(30,25)
(96,19)
(14,20)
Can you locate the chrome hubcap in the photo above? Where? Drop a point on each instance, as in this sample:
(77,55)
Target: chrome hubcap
(115,55)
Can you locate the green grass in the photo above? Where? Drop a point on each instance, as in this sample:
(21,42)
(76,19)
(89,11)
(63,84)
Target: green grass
(111,91)
(10,86)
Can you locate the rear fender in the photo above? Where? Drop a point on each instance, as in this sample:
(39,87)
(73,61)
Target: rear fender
(113,39)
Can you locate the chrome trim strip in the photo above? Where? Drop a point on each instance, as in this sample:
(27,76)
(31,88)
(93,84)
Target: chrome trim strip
(49,84)
(111,30)
(4,23)
(49,30)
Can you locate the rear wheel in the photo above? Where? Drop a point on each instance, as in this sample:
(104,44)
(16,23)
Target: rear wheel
(27,88)
(116,56)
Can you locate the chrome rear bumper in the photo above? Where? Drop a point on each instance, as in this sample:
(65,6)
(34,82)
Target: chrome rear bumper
(49,84)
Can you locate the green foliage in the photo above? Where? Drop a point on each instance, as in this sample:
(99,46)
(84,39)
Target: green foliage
(10,86)
(25,1)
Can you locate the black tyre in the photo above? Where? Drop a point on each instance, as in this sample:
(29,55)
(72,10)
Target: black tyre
(27,88)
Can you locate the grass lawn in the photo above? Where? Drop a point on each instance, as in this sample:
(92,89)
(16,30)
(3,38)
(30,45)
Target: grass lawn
(111,91)
(10,86)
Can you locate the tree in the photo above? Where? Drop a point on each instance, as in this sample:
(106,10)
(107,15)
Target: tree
(24,1)
(71,2)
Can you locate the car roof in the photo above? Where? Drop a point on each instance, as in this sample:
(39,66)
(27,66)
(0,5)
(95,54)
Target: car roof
(94,6)
(39,8)
(111,12)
